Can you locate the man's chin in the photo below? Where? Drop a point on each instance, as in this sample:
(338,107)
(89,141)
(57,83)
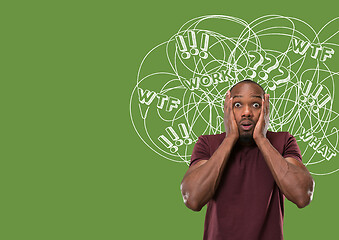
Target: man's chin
(246,138)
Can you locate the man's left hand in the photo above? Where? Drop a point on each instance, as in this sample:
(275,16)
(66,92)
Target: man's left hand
(261,127)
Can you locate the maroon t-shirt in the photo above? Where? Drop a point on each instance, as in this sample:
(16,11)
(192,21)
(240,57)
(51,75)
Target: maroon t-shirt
(247,205)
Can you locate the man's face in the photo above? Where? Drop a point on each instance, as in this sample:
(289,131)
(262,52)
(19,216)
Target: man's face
(247,101)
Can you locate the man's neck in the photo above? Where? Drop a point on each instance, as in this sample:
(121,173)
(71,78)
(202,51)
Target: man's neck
(246,141)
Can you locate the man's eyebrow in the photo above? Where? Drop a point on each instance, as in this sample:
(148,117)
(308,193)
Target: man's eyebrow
(256,96)
(253,96)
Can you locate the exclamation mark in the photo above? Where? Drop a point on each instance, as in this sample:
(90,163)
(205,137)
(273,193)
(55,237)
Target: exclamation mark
(167,143)
(316,95)
(184,133)
(192,39)
(170,131)
(204,46)
(312,98)
(182,47)
(306,91)
(322,102)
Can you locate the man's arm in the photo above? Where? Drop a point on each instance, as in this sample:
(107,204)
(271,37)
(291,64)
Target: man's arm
(202,179)
(291,176)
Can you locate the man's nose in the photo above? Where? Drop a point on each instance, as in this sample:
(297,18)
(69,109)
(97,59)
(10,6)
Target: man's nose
(247,112)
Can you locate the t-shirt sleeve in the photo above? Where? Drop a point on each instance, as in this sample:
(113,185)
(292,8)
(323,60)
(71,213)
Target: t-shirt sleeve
(291,148)
(200,150)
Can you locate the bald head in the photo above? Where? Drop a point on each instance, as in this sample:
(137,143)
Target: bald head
(247,81)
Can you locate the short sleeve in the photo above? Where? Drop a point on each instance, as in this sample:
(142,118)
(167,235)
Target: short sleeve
(291,148)
(200,150)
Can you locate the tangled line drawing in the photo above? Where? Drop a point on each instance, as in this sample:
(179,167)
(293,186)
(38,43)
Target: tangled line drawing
(182,82)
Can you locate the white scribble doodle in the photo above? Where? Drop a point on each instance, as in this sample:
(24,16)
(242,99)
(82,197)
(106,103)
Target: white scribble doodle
(182,82)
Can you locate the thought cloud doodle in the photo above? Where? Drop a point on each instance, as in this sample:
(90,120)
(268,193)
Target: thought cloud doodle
(182,82)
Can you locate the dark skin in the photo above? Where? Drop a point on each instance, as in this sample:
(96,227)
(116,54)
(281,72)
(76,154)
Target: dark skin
(246,117)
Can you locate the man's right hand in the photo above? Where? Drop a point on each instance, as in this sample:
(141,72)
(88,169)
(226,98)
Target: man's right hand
(202,178)
(231,126)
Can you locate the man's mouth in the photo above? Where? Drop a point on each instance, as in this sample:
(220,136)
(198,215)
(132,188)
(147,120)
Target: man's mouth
(246,125)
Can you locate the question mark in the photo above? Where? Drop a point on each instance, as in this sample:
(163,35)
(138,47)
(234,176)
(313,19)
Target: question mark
(257,61)
(279,79)
(268,67)
(182,47)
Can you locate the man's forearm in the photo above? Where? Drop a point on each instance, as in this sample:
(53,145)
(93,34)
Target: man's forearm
(293,180)
(199,185)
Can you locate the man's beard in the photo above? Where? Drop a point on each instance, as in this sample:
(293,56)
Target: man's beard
(246,138)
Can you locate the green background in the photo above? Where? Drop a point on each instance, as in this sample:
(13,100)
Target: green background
(72,166)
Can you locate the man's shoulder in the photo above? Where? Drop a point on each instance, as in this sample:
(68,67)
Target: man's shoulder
(214,135)
(278,138)
(213,138)
(278,134)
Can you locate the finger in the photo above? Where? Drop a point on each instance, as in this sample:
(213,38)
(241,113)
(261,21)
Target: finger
(229,101)
(227,98)
(267,103)
(230,105)
(230,110)
(228,94)
(263,107)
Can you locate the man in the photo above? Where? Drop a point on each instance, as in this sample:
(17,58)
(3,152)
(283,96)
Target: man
(245,173)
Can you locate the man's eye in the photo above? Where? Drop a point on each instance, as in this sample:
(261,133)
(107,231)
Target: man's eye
(256,105)
(237,104)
